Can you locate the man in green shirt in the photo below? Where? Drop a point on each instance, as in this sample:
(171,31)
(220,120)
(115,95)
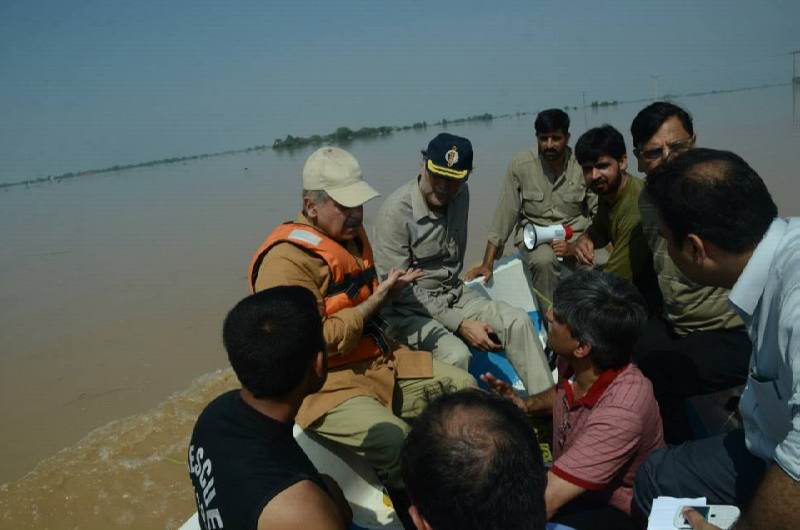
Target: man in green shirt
(543,187)
(696,344)
(602,156)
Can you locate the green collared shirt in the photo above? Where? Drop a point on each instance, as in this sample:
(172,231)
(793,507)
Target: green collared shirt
(532,194)
(688,306)
(409,234)
(620,223)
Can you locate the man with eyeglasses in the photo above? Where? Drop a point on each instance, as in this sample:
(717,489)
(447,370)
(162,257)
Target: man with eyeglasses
(423,225)
(605,418)
(756,254)
(697,344)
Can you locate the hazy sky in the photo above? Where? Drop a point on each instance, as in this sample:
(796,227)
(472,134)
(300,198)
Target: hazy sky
(92,83)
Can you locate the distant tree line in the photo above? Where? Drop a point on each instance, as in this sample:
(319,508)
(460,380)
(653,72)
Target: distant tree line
(478,117)
(118,167)
(595,104)
(344,135)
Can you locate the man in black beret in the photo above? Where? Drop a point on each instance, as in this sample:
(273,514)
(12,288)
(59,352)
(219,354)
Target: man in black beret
(423,224)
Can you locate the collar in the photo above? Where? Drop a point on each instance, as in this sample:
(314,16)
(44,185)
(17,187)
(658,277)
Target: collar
(301,218)
(419,208)
(595,392)
(568,158)
(749,287)
(353,246)
(623,190)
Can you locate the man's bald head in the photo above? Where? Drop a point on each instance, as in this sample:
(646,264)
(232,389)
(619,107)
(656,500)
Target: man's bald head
(472,461)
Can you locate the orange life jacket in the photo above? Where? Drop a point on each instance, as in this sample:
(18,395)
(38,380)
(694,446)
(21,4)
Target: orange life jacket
(350,284)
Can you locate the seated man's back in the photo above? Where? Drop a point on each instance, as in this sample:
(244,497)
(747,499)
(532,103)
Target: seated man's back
(246,468)
(246,460)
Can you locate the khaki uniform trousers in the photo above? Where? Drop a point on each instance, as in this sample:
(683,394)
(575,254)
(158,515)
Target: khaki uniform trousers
(512,325)
(373,431)
(547,271)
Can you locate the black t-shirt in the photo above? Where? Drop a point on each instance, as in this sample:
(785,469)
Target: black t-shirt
(239,459)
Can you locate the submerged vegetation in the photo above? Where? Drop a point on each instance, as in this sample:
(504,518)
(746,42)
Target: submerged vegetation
(150,163)
(345,135)
(595,104)
(342,135)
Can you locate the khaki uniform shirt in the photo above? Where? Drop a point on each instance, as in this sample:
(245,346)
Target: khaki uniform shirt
(409,234)
(688,306)
(287,264)
(531,194)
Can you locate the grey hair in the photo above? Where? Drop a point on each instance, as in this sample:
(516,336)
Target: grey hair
(601,310)
(318,196)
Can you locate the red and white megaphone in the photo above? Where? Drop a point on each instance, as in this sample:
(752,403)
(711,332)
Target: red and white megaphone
(534,235)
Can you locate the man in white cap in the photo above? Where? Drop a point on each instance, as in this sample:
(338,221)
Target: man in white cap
(372,382)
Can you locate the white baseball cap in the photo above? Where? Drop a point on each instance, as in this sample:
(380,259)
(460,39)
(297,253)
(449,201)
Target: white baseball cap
(337,172)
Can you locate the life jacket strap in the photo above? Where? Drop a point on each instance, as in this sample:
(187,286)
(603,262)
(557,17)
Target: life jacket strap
(376,328)
(352,283)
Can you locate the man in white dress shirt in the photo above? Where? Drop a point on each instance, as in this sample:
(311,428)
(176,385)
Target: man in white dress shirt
(722,229)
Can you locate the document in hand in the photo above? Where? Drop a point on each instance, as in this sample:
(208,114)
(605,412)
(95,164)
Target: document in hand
(662,515)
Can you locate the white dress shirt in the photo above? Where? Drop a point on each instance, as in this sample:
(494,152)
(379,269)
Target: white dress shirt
(767,297)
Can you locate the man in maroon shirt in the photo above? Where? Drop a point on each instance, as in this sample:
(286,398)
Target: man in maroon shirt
(605,417)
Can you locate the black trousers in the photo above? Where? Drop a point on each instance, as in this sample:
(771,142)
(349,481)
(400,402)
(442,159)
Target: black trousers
(719,468)
(702,362)
(584,516)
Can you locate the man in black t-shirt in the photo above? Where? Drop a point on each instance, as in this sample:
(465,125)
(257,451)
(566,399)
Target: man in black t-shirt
(247,470)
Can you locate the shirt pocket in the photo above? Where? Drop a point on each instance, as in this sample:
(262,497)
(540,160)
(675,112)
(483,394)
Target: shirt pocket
(766,414)
(572,201)
(533,203)
(427,252)
(453,253)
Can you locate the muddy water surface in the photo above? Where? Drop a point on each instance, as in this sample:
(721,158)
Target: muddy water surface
(113,290)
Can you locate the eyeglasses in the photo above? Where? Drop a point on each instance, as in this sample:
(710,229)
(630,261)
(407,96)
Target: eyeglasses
(664,152)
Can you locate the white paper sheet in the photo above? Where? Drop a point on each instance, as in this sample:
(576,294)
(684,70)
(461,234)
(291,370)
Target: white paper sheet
(662,515)
(509,283)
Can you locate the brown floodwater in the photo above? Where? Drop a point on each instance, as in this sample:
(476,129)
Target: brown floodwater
(114,289)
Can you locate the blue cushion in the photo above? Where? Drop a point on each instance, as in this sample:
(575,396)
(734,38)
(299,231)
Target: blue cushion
(497,363)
